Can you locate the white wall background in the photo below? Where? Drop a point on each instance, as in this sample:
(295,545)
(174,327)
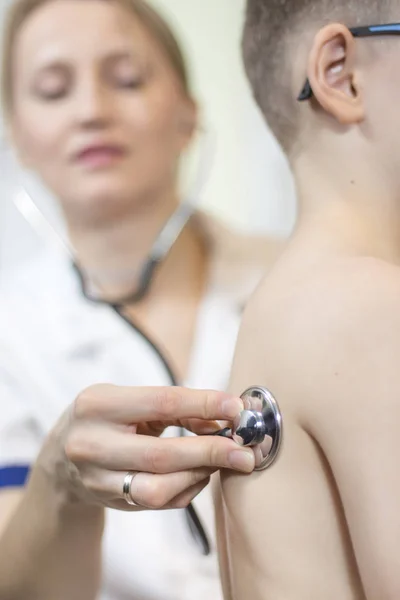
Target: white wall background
(250,184)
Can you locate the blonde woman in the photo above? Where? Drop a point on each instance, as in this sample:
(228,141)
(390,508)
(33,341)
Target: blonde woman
(97,100)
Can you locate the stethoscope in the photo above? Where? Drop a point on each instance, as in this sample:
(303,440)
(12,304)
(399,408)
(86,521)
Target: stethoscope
(260,423)
(161,247)
(159,251)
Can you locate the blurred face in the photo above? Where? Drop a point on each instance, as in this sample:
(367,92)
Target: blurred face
(99,112)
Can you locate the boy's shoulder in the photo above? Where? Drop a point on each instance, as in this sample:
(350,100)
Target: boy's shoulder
(307,334)
(345,293)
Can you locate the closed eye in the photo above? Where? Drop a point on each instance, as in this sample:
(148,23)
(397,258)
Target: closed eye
(52,94)
(52,83)
(131,83)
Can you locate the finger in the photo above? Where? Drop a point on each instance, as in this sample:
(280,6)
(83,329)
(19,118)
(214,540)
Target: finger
(114,450)
(198,426)
(126,405)
(147,490)
(201,427)
(183,500)
(157,491)
(153,428)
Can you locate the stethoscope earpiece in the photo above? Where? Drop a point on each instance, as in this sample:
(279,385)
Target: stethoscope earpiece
(258,425)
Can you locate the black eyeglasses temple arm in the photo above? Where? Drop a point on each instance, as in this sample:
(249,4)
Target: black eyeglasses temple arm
(367,31)
(306,93)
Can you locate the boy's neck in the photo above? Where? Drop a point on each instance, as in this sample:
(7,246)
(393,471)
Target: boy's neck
(343,230)
(348,209)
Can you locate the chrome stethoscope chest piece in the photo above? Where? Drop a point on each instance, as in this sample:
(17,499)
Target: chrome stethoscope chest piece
(259,425)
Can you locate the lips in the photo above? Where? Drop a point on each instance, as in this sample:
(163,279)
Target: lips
(100,156)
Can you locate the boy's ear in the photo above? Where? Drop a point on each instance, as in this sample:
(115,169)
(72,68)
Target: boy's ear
(333,74)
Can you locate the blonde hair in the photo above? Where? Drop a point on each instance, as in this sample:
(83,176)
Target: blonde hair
(155,24)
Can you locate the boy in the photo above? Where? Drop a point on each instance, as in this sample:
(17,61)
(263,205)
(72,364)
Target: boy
(323,330)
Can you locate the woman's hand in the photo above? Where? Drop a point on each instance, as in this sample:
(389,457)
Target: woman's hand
(110,431)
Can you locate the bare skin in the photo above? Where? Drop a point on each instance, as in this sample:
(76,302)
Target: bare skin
(304,528)
(322,333)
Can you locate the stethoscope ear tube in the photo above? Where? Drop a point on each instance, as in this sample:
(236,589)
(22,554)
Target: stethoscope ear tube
(258,425)
(162,245)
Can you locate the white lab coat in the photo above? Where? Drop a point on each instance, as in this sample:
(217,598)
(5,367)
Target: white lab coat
(54,343)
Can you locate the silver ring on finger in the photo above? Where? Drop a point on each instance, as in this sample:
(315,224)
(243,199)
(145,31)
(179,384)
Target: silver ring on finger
(126,488)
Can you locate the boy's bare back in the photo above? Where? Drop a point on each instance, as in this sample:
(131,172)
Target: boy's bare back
(316,525)
(323,331)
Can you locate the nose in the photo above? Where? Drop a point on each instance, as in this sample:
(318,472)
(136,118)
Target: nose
(93,105)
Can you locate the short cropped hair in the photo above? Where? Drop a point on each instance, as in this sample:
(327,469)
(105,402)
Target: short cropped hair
(272,33)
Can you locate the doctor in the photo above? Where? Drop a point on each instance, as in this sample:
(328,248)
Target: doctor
(97,100)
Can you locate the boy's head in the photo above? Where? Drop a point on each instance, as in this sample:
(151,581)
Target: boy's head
(355,81)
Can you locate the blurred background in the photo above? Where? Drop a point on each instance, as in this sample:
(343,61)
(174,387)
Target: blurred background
(249,186)
(55,343)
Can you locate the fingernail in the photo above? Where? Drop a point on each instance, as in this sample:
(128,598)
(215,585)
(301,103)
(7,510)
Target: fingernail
(232,407)
(242,460)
